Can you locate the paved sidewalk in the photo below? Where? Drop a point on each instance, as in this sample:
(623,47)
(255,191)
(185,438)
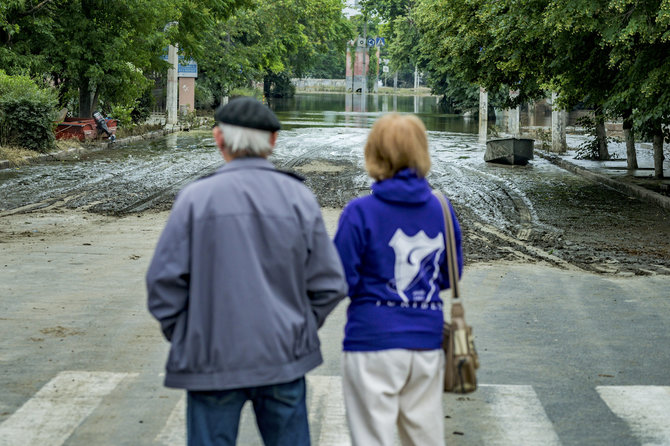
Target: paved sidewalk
(649,189)
(614,173)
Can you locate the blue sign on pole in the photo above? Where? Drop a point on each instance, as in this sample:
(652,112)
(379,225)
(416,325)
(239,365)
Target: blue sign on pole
(381,41)
(187,68)
(371,41)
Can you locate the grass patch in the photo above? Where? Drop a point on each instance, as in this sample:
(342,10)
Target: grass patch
(141,129)
(16,155)
(253,92)
(67,144)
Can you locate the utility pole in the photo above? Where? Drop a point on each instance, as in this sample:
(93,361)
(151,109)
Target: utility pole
(172,85)
(172,81)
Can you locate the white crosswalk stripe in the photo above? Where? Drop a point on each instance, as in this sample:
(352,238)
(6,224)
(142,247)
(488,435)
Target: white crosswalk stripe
(646,409)
(325,406)
(495,415)
(514,415)
(174,431)
(56,410)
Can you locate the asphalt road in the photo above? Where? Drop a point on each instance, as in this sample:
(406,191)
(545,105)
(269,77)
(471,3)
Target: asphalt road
(568,357)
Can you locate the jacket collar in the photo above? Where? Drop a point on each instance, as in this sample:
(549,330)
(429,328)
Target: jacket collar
(254,162)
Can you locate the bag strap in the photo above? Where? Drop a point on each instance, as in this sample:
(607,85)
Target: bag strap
(450,246)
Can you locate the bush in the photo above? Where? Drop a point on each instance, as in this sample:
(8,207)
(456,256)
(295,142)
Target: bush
(123,115)
(204,98)
(278,85)
(251,92)
(143,107)
(588,150)
(27,111)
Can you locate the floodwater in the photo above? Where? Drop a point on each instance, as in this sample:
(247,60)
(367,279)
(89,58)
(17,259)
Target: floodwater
(536,213)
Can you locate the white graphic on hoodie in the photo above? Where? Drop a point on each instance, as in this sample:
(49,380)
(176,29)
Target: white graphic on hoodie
(412,256)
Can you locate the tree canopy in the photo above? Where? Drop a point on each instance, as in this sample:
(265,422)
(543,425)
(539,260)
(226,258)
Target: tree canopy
(272,40)
(610,55)
(100,50)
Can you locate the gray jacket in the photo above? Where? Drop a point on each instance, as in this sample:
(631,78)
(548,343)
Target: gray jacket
(243,275)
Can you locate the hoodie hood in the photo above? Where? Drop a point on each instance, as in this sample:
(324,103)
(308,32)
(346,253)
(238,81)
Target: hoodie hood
(404,187)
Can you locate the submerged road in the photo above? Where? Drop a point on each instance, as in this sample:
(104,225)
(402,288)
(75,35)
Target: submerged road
(539,213)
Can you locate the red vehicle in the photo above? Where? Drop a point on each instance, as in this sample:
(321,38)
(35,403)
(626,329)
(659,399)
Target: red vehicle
(84,129)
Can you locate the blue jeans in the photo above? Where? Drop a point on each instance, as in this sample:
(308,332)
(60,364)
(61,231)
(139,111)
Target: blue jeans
(213,417)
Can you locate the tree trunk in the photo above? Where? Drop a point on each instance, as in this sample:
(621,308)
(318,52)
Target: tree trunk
(629,135)
(85,99)
(267,86)
(94,101)
(601,137)
(658,153)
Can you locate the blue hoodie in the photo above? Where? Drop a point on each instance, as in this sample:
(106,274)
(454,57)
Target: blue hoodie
(392,247)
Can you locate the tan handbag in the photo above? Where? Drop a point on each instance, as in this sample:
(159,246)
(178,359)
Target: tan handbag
(461,359)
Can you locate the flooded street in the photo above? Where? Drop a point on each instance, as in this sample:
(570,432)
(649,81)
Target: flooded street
(537,213)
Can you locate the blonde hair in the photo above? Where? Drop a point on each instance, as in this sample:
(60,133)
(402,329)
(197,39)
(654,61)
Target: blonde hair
(397,142)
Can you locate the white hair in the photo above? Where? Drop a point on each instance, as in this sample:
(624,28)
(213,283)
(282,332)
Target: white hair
(242,139)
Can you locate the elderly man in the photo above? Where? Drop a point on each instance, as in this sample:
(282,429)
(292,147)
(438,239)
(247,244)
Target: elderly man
(243,275)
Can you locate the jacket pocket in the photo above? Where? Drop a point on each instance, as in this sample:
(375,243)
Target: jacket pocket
(307,339)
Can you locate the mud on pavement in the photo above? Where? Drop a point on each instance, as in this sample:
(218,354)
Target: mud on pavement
(571,224)
(540,214)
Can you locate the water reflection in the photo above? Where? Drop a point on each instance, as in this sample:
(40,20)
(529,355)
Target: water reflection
(362,110)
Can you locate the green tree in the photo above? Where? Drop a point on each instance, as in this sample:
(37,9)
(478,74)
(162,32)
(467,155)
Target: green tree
(485,43)
(94,49)
(271,42)
(396,22)
(406,50)
(610,55)
(329,65)
(638,34)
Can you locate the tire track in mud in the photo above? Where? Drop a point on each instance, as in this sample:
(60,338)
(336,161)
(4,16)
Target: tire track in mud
(498,216)
(506,235)
(49,204)
(167,193)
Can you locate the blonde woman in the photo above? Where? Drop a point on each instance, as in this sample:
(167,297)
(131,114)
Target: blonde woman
(391,243)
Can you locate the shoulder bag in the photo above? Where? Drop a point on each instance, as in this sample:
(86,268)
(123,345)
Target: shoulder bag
(461,359)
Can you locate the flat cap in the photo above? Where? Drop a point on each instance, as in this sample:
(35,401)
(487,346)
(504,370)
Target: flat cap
(247,112)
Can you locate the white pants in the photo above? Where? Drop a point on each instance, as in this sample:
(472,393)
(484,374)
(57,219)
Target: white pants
(389,388)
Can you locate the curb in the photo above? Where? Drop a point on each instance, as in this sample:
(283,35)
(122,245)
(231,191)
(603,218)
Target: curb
(64,154)
(628,189)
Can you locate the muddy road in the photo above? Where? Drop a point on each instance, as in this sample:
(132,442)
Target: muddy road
(539,213)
